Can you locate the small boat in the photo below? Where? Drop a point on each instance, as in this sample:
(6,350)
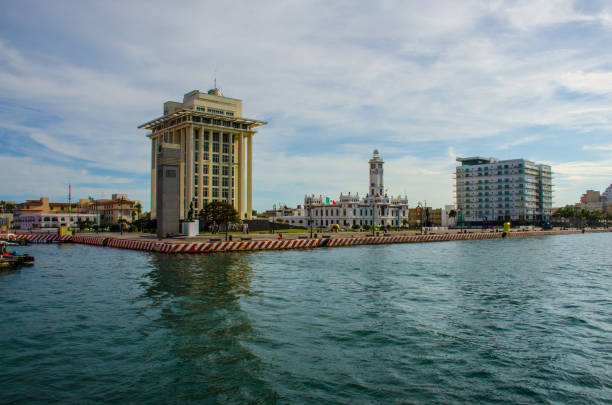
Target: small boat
(12,259)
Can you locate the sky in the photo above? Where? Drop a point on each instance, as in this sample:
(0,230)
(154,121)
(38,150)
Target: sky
(424,82)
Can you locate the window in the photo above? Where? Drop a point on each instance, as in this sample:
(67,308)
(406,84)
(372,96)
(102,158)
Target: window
(205,156)
(205,180)
(224,170)
(215,170)
(225,137)
(214,111)
(205,146)
(225,158)
(215,147)
(215,158)
(205,169)
(215,193)
(224,181)
(225,148)
(215,137)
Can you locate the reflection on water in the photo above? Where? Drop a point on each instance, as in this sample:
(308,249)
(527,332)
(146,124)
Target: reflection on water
(199,300)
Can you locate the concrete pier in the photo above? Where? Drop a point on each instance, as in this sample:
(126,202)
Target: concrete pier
(252,242)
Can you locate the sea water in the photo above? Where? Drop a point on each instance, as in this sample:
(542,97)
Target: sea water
(521,320)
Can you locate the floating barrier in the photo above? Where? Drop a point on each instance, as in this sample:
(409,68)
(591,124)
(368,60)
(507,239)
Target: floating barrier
(131,244)
(209,247)
(244,245)
(90,240)
(40,237)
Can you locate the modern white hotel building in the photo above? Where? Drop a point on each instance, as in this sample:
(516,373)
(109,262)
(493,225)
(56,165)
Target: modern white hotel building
(489,190)
(376,208)
(214,144)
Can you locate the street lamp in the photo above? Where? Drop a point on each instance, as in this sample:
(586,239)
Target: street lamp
(420,208)
(373,214)
(310,216)
(121,216)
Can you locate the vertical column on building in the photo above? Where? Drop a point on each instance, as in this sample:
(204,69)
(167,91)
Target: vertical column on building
(182,141)
(189,169)
(232,183)
(240,195)
(249,177)
(200,163)
(153,177)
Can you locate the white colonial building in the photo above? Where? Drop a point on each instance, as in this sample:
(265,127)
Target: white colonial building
(350,210)
(52,220)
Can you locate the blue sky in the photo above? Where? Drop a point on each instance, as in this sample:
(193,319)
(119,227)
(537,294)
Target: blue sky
(423,82)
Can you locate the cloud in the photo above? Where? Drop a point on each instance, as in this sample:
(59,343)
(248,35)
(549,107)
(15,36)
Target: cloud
(334,81)
(30,178)
(520,141)
(597,147)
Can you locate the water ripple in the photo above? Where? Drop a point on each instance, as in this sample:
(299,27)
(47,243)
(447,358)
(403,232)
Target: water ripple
(493,321)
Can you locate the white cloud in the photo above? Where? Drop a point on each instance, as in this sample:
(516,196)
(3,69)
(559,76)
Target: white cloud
(598,147)
(334,80)
(519,141)
(30,178)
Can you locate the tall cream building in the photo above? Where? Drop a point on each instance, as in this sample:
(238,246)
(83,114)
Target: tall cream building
(216,150)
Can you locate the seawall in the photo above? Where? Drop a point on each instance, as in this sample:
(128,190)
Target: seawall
(153,245)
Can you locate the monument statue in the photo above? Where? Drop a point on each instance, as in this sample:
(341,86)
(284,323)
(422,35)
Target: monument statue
(190,213)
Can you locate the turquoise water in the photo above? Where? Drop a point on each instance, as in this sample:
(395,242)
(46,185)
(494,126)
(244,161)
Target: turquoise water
(513,320)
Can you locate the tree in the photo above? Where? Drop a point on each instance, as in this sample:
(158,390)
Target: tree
(138,207)
(220,213)
(7,207)
(405,222)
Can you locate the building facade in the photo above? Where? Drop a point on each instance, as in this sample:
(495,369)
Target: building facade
(607,194)
(53,220)
(591,200)
(216,151)
(41,213)
(376,208)
(489,190)
(119,207)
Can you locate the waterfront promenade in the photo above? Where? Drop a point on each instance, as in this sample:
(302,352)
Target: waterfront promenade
(251,242)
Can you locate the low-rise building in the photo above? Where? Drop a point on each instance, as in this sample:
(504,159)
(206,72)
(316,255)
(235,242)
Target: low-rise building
(424,217)
(34,214)
(41,213)
(376,208)
(6,221)
(119,207)
(449,216)
(30,221)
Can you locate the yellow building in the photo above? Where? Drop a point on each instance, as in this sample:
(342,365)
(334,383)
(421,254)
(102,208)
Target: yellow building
(119,207)
(216,150)
(417,217)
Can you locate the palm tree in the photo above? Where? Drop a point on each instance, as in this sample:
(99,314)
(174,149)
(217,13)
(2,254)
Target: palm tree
(138,207)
